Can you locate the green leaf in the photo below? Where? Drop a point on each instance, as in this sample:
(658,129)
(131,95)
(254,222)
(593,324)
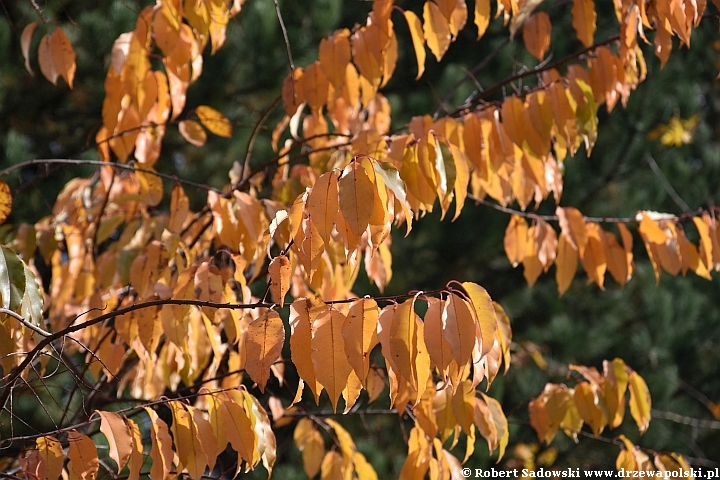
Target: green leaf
(12,279)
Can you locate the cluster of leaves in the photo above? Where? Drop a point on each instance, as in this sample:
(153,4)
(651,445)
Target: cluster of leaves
(159,302)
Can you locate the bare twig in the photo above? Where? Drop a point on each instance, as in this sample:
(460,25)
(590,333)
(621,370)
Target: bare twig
(666,184)
(22,320)
(253,135)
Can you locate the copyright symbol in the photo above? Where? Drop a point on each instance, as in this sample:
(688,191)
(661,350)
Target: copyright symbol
(466,472)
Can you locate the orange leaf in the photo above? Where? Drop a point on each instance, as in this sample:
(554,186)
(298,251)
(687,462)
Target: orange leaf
(357,193)
(187,442)
(437,346)
(323,204)
(214,121)
(515,240)
(584,17)
(302,314)
(315,86)
(459,328)
(588,407)
(63,56)
(334,56)
(328,353)
(25,39)
(136,454)
(263,343)
(292,92)
(536,34)
(192,132)
(161,451)
(565,264)
(179,209)
(482,16)
(118,436)
(45,59)
(436,30)
(279,271)
(652,230)
(416,33)
(83,457)
(360,334)
(594,261)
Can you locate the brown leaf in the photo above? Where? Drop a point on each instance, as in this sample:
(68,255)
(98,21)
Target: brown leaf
(83,457)
(45,59)
(63,56)
(25,39)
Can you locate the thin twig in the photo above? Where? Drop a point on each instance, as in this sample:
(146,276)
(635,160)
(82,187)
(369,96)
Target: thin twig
(684,420)
(254,134)
(666,184)
(287,41)
(22,320)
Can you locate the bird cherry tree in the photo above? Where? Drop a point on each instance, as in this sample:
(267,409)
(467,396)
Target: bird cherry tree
(178,350)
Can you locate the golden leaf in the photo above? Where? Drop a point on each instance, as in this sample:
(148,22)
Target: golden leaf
(51,452)
(323,204)
(436,30)
(640,403)
(279,271)
(161,451)
(437,346)
(214,121)
(360,334)
(416,34)
(565,264)
(136,455)
(516,235)
(315,86)
(356,198)
(5,201)
(334,56)
(584,18)
(482,16)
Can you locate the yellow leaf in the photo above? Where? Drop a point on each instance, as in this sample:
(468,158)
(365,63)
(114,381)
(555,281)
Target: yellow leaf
(485,314)
(63,56)
(416,33)
(360,334)
(616,258)
(587,404)
(5,201)
(302,315)
(363,469)
(83,457)
(187,442)
(356,198)
(584,17)
(313,452)
(640,402)
(51,452)
(565,264)
(263,343)
(459,327)
(436,29)
(328,353)
(482,16)
(706,245)
(151,187)
(45,59)
(136,455)
(161,451)
(652,230)
(501,424)
(25,39)
(323,204)
(214,121)
(192,132)
(279,271)
(536,34)
(118,436)
(333,467)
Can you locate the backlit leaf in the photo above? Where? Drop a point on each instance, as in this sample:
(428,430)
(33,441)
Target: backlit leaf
(360,334)
(536,34)
(328,353)
(214,121)
(565,264)
(63,56)
(279,271)
(459,327)
(416,34)
(356,194)
(52,452)
(484,312)
(136,454)
(482,16)
(45,59)
(161,451)
(263,343)
(119,437)
(192,132)
(323,204)
(640,403)
(436,30)
(12,278)
(584,17)
(83,457)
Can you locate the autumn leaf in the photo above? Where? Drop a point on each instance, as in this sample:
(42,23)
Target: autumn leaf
(192,132)
(360,334)
(536,34)
(328,353)
(83,457)
(264,340)
(45,59)
(119,437)
(436,30)
(356,191)
(279,271)
(584,18)
(214,121)
(418,40)
(5,201)
(640,402)
(63,56)
(25,39)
